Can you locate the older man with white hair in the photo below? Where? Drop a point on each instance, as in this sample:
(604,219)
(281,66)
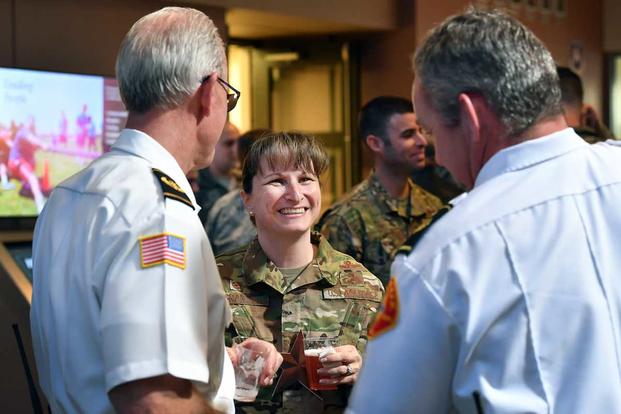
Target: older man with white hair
(128,312)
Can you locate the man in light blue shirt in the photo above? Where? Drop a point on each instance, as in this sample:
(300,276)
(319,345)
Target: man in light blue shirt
(509,303)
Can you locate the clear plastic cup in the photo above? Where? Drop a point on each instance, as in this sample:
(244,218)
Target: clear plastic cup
(247,372)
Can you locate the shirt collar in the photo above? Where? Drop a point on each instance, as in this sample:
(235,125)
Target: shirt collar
(529,153)
(142,145)
(257,266)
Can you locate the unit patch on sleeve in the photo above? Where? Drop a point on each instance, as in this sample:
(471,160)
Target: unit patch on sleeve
(388,314)
(171,189)
(162,248)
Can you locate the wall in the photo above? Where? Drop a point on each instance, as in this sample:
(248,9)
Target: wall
(71,35)
(612,28)
(80,36)
(372,14)
(386,59)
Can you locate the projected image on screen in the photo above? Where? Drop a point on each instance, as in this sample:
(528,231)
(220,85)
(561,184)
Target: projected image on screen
(51,126)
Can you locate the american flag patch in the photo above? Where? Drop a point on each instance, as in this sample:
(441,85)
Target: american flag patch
(162,248)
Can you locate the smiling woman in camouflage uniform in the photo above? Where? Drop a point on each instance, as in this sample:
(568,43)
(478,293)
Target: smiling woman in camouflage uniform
(290,279)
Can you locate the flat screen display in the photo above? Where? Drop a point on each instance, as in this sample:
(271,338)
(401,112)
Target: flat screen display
(51,126)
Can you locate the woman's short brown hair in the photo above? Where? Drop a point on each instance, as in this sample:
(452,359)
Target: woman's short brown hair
(286,150)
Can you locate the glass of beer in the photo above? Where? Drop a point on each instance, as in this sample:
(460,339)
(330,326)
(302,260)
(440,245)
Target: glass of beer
(314,349)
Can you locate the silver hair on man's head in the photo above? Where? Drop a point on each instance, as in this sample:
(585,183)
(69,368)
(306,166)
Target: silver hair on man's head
(494,55)
(164,56)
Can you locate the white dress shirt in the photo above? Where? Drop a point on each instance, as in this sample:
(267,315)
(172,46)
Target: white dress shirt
(99,317)
(514,294)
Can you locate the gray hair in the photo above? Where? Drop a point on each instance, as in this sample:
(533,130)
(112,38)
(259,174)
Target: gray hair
(494,55)
(165,55)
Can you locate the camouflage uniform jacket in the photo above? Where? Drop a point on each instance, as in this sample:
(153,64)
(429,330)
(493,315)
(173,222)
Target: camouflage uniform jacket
(334,295)
(228,225)
(370,226)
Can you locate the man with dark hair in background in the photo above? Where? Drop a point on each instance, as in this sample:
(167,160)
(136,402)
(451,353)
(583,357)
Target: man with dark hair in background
(510,302)
(377,216)
(582,118)
(128,311)
(222,175)
(228,224)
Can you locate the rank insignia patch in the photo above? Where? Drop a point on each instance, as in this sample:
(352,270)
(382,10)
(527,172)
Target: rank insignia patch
(170,189)
(387,316)
(162,248)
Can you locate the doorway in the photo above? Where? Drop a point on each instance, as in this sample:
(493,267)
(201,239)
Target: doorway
(305,85)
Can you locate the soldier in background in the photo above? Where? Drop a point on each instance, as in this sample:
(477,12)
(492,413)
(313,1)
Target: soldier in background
(222,175)
(378,215)
(228,225)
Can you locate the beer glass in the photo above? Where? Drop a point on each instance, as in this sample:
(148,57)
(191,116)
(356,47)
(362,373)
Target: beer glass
(315,348)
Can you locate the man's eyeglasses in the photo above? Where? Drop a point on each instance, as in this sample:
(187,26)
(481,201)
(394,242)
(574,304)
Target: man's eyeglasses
(231,98)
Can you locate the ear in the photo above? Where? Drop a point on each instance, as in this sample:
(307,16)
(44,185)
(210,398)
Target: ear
(470,126)
(207,94)
(245,198)
(469,121)
(375,143)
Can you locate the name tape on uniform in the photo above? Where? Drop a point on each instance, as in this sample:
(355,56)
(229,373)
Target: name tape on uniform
(162,248)
(388,315)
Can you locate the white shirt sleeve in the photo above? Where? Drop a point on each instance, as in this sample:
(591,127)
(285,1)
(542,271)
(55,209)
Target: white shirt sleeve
(411,365)
(153,319)
(224,399)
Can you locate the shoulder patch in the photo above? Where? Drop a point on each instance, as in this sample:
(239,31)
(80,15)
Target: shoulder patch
(413,240)
(171,189)
(350,264)
(162,248)
(388,314)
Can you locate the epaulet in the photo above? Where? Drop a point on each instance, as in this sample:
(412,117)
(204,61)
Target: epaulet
(411,241)
(171,189)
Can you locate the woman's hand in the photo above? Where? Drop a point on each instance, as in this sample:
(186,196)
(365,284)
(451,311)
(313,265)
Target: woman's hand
(273,359)
(342,366)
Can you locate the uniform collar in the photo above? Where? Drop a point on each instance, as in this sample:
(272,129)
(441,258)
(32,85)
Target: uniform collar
(529,153)
(142,145)
(403,209)
(257,267)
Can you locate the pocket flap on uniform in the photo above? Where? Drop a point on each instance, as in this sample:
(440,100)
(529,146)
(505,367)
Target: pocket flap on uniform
(352,292)
(238,298)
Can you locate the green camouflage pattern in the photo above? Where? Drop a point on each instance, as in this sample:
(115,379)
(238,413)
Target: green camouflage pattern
(333,296)
(370,226)
(228,225)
